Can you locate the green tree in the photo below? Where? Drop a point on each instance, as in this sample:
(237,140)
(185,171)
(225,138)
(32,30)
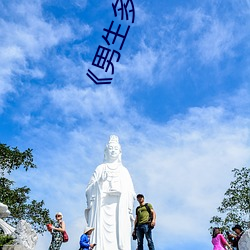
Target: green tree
(235,207)
(17,199)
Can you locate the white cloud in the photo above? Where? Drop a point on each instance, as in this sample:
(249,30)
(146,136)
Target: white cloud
(174,42)
(88,102)
(217,42)
(239,101)
(141,15)
(25,35)
(80,3)
(198,20)
(143,65)
(32,33)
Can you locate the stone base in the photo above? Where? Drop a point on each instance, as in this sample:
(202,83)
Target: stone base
(13,247)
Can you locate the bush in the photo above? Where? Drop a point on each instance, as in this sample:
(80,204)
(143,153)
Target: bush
(6,240)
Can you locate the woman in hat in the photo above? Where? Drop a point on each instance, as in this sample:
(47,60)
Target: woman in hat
(219,240)
(84,240)
(56,231)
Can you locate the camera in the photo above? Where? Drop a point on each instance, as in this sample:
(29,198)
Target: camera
(134,235)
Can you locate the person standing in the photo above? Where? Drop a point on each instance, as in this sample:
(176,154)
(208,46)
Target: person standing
(218,240)
(56,231)
(85,239)
(239,231)
(143,225)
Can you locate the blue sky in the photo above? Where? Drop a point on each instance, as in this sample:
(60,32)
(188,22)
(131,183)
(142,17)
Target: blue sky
(179,102)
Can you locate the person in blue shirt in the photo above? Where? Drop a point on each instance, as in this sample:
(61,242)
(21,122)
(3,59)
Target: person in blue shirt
(85,239)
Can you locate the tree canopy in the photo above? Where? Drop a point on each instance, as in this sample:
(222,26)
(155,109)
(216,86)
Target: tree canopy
(235,207)
(17,199)
(12,159)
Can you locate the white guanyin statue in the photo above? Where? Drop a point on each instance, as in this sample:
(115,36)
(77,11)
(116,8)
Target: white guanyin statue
(110,198)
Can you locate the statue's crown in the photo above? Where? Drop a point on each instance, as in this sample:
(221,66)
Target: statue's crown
(114,138)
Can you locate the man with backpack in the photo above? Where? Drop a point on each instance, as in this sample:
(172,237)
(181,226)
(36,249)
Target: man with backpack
(144,223)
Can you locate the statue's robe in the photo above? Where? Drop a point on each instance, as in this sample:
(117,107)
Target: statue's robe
(110,197)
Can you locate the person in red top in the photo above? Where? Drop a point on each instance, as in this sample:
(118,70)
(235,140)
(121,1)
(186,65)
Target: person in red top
(218,240)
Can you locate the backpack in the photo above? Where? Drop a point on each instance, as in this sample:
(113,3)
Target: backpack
(149,212)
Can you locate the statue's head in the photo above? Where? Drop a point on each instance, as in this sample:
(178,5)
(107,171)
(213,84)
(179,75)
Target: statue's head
(113,150)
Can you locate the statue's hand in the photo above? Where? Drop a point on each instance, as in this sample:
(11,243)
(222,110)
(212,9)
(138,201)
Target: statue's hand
(104,176)
(132,217)
(90,202)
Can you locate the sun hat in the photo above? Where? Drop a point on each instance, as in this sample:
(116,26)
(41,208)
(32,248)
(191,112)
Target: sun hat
(59,213)
(87,229)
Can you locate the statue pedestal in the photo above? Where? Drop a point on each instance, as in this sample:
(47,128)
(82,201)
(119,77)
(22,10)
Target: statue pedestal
(13,247)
